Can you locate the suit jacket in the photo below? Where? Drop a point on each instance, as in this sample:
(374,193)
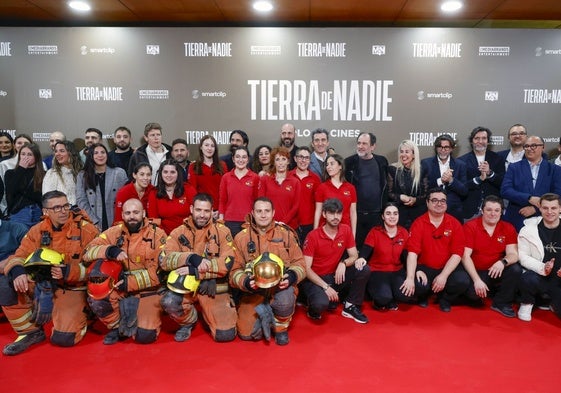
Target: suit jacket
(456,191)
(478,190)
(316,165)
(518,187)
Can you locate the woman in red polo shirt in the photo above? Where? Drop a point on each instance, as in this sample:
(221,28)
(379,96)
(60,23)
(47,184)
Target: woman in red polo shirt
(335,186)
(140,188)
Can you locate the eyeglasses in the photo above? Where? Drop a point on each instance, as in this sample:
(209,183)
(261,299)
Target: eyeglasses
(302,157)
(533,146)
(59,208)
(445,147)
(437,201)
(517,133)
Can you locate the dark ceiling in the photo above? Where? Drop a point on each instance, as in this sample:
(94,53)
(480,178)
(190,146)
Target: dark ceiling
(383,13)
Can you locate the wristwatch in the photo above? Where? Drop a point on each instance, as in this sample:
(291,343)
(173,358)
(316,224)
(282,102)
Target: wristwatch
(504,261)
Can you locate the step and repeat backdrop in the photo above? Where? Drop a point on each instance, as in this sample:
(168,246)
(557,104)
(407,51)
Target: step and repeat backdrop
(399,83)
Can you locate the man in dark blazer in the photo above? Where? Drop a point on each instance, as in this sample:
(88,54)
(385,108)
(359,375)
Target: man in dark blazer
(517,138)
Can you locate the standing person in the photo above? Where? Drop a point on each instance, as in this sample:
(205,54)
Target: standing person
(281,188)
(367,172)
(6,145)
(491,257)
(517,137)
(238,138)
(447,173)
(320,144)
(484,170)
(539,243)
(180,153)
(121,155)
(56,136)
(11,163)
(309,182)
(336,186)
(172,198)
(407,187)
(262,160)
(202,247)
(24,186)
(238,190)
(206,172)
(97,186)
(132,308)
(140,188)
(385,251)
(557,160)
(91,137)
(265,241)
(64,173)
(153,152)
(287,139)
(329,271)
(435,248)
(62,233)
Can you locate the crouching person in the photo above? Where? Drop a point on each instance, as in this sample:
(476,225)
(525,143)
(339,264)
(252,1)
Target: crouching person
(132,306)
(54,245)
(200,250)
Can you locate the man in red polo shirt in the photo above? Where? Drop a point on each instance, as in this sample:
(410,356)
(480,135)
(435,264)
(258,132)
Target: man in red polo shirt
(435,249)
(491,256)
(327,273)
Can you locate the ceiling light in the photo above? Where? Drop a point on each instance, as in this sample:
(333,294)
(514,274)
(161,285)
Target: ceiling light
(451,6)
(79,5)
(262,6)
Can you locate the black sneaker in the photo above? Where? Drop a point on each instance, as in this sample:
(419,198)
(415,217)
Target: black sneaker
(313,315)
(392,306)
(354,312)
(505,310)
(23,342)
(423,303)
(112,337)
(444,305)
(183,333)
(281,338)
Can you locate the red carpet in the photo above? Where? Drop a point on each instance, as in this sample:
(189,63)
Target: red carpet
(411,350)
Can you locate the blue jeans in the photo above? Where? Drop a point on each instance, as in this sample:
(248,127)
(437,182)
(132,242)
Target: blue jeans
(28,215)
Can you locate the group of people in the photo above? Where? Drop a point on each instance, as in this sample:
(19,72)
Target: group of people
(131,234)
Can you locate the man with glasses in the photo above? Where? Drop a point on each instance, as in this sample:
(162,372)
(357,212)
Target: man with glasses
(62,296)
(447,173)
(435,249)
(517,138)
(527,180)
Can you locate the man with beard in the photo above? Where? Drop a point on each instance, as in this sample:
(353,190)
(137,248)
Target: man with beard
(132,308)
(237,138)
(287,139)
(368,173)
(517,138)
(122,153)
(180,153)
(91,137)
(203,248)
(485,171)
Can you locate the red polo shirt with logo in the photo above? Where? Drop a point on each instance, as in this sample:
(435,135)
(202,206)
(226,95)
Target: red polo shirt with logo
(488,249)
(327,252)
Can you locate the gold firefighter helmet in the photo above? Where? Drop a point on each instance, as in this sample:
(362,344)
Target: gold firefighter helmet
(182,283)
(268,270)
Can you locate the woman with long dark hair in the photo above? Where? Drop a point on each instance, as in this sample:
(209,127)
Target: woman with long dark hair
(171,202)
(64,173)
(262,160)
(24,186)
(6,146)
(97,186)
(139,188)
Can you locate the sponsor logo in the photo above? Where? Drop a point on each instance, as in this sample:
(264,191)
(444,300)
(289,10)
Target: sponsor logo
(84,50)
(344,100)
(41,136)
(208,49)
(548,52)
(494,51)
(542,96)
(378,50)
(3,93)
(11,132)
(265,50)
(422,95)
(422,138)
(491,96)
(317,49)
(196,94)
(5,49)
(42,49)
(97,93)
(193,137)
(45,93)
(497,140)
(153,50)
(153,94)
(437,50)
(551,139)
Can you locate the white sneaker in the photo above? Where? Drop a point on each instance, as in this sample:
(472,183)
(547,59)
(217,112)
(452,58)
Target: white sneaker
(525,312)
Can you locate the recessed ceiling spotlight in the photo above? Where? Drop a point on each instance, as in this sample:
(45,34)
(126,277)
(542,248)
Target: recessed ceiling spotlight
(262,6)
(79,5)
(451,6)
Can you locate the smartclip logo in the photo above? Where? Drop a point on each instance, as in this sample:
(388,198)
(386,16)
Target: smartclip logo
(5,49)
(548,52)
(84,50)
(3,93)
(494,51)
(378,50)
(153,94)
(426,138)
(491,96)
(42,49)
(196,94)
(45,93)
(208,49)
(437,50)
(542,96)
(317,49)
(265,50)
(153,50)
(421,95)
(96,93)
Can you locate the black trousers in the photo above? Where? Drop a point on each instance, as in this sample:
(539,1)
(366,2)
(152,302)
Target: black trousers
(456,285)
(383,287)
(503,287)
